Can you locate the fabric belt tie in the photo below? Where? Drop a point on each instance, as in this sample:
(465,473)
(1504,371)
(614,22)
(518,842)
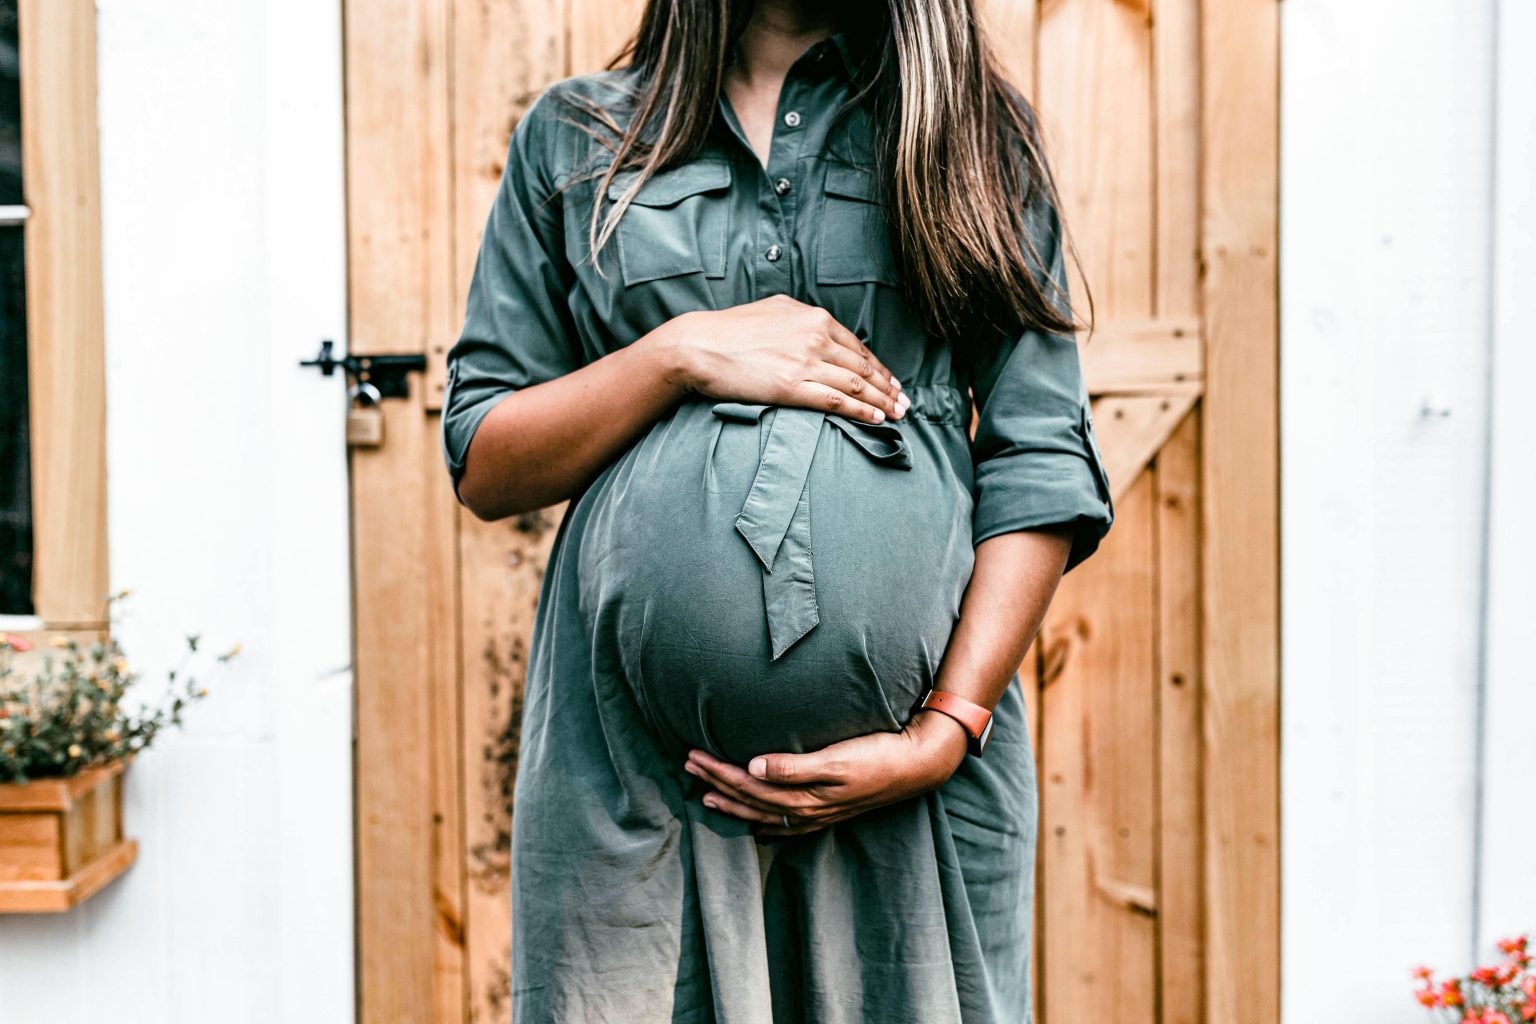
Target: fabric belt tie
(775,520)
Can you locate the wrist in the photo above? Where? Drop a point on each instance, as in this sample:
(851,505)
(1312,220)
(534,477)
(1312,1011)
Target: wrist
(667,346)
(940,738)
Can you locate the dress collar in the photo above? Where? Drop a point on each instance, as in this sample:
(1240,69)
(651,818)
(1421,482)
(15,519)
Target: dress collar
(850,52)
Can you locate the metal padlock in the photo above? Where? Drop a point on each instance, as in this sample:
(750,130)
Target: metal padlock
(365,417)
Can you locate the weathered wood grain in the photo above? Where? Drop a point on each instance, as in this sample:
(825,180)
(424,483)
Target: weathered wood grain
(1131,430)
(1159,356)
(1098,761)
(400,247)
(1239,56)
(1180,835)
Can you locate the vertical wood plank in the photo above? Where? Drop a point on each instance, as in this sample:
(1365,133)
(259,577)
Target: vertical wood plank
(1239,170)
(66,367)
(502,564)
(400,246)
(1095,70)
(1098,764)
(504,55)
(1181,963)
(450,980)
(1176,84)
(1099,751)
(599,29)
(1010,26)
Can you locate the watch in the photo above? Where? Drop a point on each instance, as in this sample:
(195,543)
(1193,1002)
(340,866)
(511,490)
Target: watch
(976,719)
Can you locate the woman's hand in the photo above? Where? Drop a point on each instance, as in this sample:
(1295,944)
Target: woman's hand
(780,351)
(837,782)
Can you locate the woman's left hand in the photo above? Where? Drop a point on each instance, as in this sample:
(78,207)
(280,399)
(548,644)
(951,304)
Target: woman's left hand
(834,783)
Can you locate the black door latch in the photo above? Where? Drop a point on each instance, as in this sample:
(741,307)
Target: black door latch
(384,374)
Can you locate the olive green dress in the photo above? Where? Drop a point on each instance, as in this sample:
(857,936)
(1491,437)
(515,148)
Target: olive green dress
(748,578)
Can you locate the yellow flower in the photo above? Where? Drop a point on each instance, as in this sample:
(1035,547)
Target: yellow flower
(121,664)
(58,641)
(233,651)
(202,693)
(74,750)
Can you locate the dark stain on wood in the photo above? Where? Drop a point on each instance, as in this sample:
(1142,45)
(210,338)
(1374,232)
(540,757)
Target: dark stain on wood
(505,666)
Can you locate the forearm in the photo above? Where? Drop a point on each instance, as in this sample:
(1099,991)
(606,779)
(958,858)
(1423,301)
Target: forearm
(542,444)
(1011,586)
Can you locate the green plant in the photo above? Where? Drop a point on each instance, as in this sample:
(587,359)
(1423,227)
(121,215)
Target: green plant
(67,714)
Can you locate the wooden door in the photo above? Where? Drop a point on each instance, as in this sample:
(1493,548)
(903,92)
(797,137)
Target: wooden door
(1154,683)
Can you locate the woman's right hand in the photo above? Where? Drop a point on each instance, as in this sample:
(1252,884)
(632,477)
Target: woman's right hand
(780,351)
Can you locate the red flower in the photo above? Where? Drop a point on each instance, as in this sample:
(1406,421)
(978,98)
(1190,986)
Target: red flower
(15,643)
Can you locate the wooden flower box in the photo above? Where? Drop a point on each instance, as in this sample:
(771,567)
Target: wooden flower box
(62,839)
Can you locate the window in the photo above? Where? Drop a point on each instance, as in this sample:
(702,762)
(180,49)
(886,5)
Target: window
(15,460)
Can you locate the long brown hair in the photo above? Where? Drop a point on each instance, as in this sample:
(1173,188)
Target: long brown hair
(958,155)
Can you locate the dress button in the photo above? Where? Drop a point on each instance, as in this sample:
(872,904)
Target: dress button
(792,119)
(782,186)
(773,253)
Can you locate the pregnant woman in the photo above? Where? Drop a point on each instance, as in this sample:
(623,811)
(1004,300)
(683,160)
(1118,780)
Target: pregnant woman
(737,301)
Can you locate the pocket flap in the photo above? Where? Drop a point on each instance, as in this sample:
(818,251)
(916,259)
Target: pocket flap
(674,184)
(851,182)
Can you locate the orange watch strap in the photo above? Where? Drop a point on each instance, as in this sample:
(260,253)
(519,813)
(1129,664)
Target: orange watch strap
(976,719)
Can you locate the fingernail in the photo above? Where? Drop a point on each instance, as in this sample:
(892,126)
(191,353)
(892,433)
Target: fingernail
(758,767)
(897,383)
(691,768)
(711,803)
(879,415)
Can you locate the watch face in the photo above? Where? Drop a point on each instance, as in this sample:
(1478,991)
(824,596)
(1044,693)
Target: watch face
(986,734)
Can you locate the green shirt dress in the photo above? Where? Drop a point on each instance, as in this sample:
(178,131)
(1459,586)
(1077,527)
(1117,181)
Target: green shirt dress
(750,578)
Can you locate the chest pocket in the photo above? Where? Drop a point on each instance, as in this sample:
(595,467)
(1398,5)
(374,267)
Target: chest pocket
(676,224)
(855,240)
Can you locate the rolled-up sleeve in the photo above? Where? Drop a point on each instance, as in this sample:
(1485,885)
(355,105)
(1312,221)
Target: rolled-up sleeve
(517,329)
(1036,458)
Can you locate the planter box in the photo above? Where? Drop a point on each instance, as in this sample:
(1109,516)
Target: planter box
(62,839)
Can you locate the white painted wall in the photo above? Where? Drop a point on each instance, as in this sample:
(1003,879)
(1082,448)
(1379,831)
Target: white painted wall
(1402,289)
(1508,878)
(222,189)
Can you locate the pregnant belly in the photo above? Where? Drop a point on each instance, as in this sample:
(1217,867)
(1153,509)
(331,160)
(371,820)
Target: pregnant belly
(771,579)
